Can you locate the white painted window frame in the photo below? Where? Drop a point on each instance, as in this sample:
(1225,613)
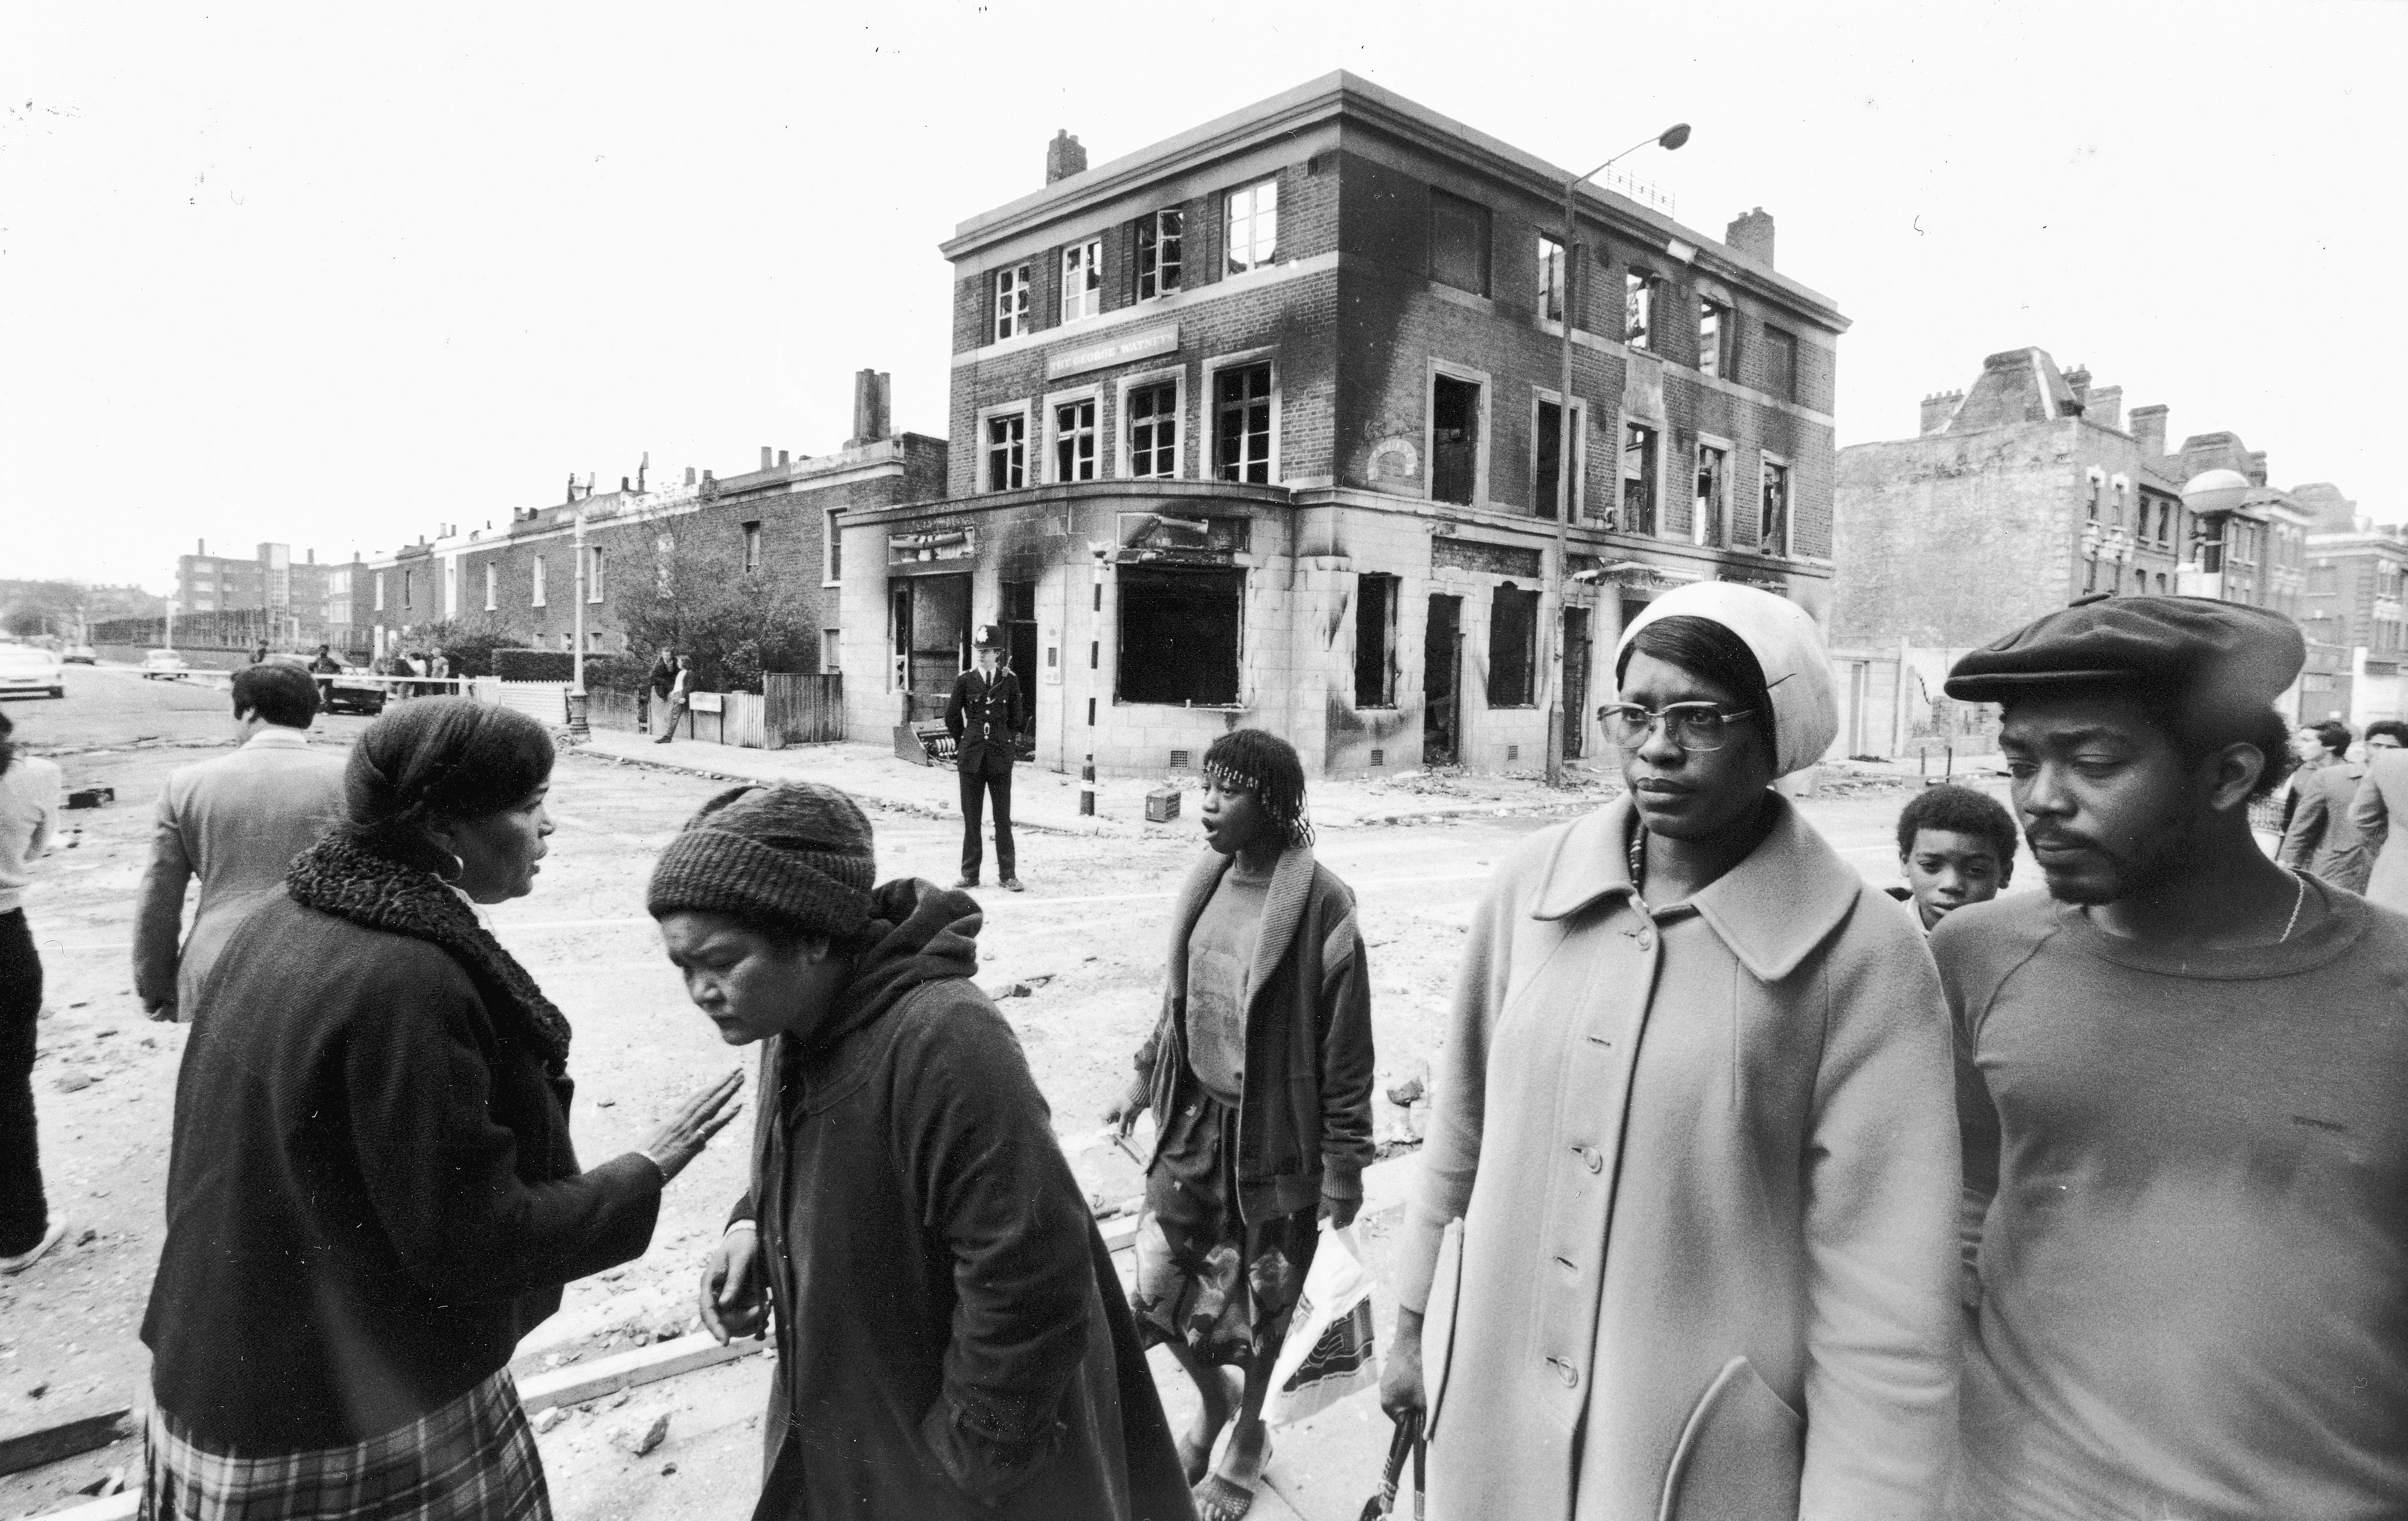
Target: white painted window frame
(1027,438)
(1180,450)
(1084,260)
(1008,303)
(1208,413)
(1057,400)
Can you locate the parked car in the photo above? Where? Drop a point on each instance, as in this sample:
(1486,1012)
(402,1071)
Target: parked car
(164,665)
(354,690)
(24,668)
(79,655)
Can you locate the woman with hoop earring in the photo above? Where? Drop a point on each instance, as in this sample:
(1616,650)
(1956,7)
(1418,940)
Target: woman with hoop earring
(372,1196)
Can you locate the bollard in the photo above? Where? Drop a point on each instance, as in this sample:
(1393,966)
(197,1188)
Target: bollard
(1087,787)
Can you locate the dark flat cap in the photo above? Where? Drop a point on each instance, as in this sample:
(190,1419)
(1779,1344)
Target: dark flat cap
(2186,649)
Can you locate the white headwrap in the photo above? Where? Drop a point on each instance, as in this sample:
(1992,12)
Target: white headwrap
(1785,642)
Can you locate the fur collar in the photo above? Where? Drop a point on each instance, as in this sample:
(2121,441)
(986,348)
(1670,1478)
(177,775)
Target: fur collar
(335,876)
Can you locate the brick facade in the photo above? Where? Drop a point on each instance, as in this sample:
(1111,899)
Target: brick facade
(1355,327)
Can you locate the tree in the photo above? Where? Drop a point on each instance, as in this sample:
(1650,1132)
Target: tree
(736,624)
(468,642)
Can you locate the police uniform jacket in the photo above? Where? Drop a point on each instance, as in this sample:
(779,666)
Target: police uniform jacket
(982,716)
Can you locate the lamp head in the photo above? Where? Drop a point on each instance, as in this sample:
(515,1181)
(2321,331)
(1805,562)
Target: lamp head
(1674,135)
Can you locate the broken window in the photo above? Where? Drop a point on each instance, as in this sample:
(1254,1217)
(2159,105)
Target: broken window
(1713,322)
(1154,430)
(1454,439)
(1006,451)
(1551,277)
(1546,485)
(1251,227)
(1074,440)
(1179,633)
(1082,280)
(1639,450)
(1773,539)
(1241,423)
(1638,308)
(1458,243)
(1713,506)
(1513,647)
(1010,302)
(1781,363)
(1158,243)
(1375,641)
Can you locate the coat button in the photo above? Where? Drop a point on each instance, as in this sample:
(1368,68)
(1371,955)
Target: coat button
(1590,1158)
(1646,937)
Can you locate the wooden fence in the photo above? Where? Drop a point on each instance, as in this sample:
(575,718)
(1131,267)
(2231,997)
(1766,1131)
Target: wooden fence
(802,710)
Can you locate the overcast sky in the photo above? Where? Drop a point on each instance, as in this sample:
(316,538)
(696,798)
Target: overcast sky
(333,275)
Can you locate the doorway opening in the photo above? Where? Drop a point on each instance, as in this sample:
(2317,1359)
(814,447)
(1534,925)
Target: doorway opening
(1442,682)
(930,627)
(1020,654)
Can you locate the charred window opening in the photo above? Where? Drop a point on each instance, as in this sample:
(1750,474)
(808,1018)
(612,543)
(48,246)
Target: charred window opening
(1638,448)
(1550,277)
(1546,483)
(1513,647)
(1375,641)
(1711,510)
(1007,452)
(1458,243)
(1713,323)
(1638,308)
(1179,634)
(1454,439)
(1773,535)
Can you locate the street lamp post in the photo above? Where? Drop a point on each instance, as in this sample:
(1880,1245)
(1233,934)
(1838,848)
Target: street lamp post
(1559,719)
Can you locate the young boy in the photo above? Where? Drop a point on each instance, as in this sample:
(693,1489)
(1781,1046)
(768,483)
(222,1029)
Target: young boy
(1955,847)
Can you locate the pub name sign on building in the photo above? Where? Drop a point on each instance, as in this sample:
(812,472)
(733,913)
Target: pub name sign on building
(1258,427)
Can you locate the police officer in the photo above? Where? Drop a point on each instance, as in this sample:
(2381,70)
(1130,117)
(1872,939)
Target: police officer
(984,715)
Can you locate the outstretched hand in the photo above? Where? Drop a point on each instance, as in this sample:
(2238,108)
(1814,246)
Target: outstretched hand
(683,1135)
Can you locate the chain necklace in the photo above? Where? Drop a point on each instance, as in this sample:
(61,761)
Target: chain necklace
(1638,860)
(2298,900)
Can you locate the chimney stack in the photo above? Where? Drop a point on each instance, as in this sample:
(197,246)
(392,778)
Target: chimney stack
(1064,157)
(2257,467)
(765,456)
(1939,408)
(1750,233)
(201,547)
(2077,380)
(2149,431)
(2105,404)
(781,459)
(689,474)
(870,421)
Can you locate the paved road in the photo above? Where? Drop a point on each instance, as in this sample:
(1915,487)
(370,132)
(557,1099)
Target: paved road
(1085,942)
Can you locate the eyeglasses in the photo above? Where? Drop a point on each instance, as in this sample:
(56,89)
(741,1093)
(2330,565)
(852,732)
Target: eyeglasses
(1692,726)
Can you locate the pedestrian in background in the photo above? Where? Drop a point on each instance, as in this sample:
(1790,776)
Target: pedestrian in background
(1259,1076)
(1955,847)
(953,1341)
(674,704)
(2179,1080)
(372,1197)
(657,683)
(983,715)
(2379,812)
(235,822)
(29,813)
(1685,1230)
(2322,836)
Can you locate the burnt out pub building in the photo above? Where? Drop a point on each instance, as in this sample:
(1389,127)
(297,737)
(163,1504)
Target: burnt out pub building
(1259,427)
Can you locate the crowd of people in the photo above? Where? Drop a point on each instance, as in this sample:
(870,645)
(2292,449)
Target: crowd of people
(1747,1191)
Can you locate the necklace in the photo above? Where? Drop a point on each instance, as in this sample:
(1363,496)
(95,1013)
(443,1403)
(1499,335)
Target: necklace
(2298,900)
(1638,858)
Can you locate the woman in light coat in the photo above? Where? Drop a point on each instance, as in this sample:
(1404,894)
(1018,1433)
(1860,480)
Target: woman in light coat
(1685,1236)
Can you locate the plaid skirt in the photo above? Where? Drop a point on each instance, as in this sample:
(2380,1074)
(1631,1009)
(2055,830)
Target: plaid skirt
(1205,1276)
(474,1460)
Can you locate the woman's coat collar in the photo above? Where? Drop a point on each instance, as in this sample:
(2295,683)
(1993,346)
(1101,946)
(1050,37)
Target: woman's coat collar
(1772,909)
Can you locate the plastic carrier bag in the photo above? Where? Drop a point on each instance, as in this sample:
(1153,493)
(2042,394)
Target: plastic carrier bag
(1328,1353)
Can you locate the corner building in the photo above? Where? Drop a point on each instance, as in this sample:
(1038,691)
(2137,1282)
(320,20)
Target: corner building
(1258,427)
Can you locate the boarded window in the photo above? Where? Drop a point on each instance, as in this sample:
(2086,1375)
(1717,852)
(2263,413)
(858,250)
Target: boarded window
(1458,243)
(1454,439)
(1781,363)
(1179,633)
(1375,641)
(1513,647)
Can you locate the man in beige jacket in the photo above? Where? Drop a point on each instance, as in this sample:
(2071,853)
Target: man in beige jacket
(236,823)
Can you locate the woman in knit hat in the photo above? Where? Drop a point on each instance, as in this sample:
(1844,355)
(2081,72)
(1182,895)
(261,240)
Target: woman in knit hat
(372,1197)
(1685,1233)
(952,1339)
(1259,1076)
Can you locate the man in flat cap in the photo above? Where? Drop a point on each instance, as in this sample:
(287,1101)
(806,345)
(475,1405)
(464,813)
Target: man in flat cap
(2179,1082)
(983,716)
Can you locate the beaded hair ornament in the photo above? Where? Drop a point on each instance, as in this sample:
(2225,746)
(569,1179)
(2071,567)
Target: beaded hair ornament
(1244,759)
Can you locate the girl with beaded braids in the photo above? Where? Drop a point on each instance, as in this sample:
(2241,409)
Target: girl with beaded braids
(1259,1076)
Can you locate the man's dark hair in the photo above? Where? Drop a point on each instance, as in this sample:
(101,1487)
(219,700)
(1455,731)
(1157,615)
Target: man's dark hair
(2393,727)
(1711,652)
(1269,764)
(1960,810)
(280,693)
(2199,733)
(2334,735)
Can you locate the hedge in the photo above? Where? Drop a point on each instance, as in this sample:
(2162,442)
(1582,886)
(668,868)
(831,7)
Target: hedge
(601,671)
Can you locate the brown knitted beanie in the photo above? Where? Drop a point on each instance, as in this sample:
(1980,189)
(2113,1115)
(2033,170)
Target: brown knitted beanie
(798,852)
